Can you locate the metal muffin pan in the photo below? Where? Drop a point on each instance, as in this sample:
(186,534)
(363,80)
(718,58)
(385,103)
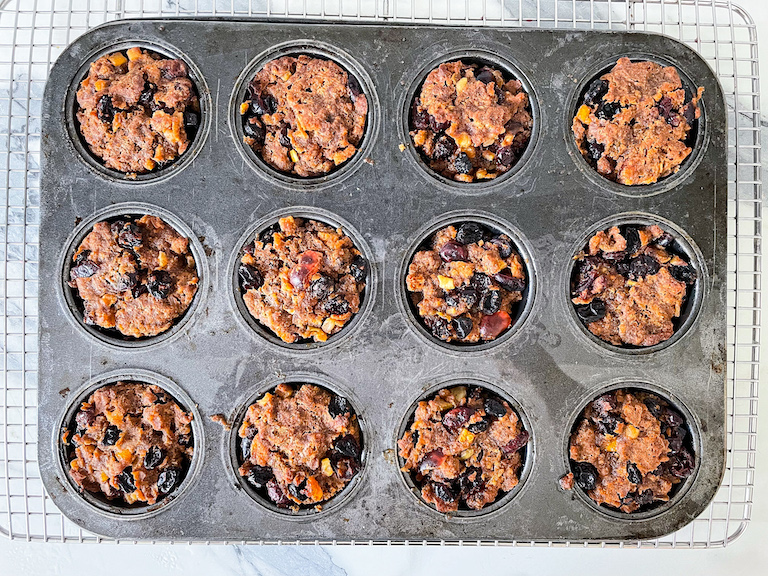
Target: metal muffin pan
(548,366)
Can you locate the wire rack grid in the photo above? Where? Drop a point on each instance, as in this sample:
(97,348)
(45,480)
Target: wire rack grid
(34,32)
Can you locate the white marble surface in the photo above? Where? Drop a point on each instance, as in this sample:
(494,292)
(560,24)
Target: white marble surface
(747,556)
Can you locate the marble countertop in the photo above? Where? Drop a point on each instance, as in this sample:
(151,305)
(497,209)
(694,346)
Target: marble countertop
(747,556)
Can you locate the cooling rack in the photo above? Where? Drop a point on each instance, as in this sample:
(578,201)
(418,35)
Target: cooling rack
(34,32)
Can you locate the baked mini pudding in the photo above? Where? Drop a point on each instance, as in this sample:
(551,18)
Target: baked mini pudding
(630,284)
(302,279)
(466,283)
(137,111)
(130,443)
(630,451)
(304,115)
(300,445)
(463,448)
(136,276)
(469,122)
(635,123)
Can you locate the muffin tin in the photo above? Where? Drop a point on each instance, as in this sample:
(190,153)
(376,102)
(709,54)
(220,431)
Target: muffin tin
(547,365)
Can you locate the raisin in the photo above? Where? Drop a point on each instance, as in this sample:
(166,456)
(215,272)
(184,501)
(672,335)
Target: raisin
(490,302)
(321,287)
(607,110)
(254,130)
(665,240)
(494,407)
(642,266)
(632,236)
(452,299)
(463,326)
(347,446)
(358,268)
(516,443)
(191,120)
(468,295)
(436,126)
(689,113)
(353,86)
(266,236)
(597,89)
(129,236)
(419,118)
(607,424)
(671,417)
(479,426)
(167,480)
(470,480)
(683,274)
(283,138)
(298,491)
(618,255)
(345,468)
(125,481)
(665,107)
(595,150)
(125,282)
(259,476)
(159,284)
(84,269)
(185,440)
(681,464)
(440,328)
(479,281)
(591,312)
(633,474)
(154,456)
(453,251)
(263,104)
(138,290)
(276,494)
(509,283)
(336,306)
(338,406)
(147,97)
(104,109)
(586,274)
(443,492)
(456,418)
(250,277)
(462,164)
(486,76)
(111,435)
(585,475)
(500,98)
(504,156)
(503,245)
(444,147)
(675,438)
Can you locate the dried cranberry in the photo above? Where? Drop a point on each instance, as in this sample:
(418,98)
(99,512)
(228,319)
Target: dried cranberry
(683,274)
(494,407)
(689,113)
(443,492)
(336,306)
(431,460)
(338,406)
(456,418)
(664,107)
(309,264)
(509,283)
(642,266)
(463,326)
(104,109)
(347,446)
(444,147)
(462,164)
(486,76)
(504,156)
(453,251)
(354,87)
(419,118)
(125,481)
(85,417)
(516,443)
(493,325)
(358,268)
(250,277)
(111,435)
(490,302)
(597,89)
(154,456)
(591,312)
(321,287)
(633,473)
(159,284)
(259,476)
(585,475)
(276,494)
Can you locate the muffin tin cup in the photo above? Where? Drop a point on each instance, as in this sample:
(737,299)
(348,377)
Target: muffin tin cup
(388,203)
(494,508)
(686,168)
(232,442)
(320,50)
(505,64)
(77,141)
(522,308)
(678,490)
(71,300)
(695,294)
(256,328)
(100,504)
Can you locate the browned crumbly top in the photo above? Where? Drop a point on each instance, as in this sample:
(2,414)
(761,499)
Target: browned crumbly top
(137,111)
(469,122)
(634,122)
(136,276)
(304,280)
(304,115)
(130,441)
(629,450)
(463,448)
(302,446)
(630,285)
